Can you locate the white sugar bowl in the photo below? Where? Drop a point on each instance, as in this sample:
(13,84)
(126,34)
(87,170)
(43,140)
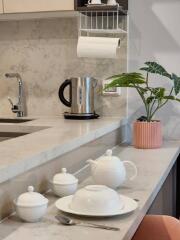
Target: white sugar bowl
(64,184)
(31,206)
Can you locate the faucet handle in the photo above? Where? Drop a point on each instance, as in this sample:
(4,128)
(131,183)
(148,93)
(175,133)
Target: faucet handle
(14,107)
(11,102)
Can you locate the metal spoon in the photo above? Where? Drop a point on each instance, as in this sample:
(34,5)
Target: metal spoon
(68,221)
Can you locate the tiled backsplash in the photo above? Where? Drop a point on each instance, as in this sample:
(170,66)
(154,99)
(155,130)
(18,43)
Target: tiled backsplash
(44,53)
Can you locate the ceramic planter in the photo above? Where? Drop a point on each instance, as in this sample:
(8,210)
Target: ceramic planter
(147,135)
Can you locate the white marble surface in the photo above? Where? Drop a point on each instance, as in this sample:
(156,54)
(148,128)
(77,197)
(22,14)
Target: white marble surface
(21,154)
(153,168)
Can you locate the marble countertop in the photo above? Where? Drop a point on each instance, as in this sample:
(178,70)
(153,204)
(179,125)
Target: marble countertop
(50,137)
(153,168)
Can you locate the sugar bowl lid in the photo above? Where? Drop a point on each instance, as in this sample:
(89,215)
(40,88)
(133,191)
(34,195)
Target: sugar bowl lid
(31,198)
(64,178)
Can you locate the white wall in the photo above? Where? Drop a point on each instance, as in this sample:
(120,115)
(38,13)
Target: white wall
(155,35)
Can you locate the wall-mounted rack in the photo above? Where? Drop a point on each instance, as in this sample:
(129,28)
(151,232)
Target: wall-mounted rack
(81,5)
(102,21)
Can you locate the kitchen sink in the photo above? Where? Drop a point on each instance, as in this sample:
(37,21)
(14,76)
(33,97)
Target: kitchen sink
(8,135)
(8,132)
(14,120)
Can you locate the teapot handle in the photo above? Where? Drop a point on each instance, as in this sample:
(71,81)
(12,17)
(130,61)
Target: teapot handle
(134,167)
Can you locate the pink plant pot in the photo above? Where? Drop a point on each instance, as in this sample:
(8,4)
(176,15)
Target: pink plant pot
(147,135)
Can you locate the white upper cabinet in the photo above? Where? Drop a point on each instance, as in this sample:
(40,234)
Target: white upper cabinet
(25,6)
(1,7)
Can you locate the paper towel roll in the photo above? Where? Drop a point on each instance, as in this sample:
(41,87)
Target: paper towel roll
(100,40)
(98,47)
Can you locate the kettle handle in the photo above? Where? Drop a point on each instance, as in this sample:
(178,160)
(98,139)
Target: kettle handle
(66,83)
(134,167)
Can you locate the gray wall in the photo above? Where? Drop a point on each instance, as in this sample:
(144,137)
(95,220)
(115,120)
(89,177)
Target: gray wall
(44,53)
(155,35)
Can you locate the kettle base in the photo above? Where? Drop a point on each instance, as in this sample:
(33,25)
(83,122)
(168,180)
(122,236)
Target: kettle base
(82,116)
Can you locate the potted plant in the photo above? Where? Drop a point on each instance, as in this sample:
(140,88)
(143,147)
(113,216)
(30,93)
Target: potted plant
(146,130)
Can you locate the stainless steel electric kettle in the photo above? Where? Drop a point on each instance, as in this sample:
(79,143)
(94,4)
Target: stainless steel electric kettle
(81,97)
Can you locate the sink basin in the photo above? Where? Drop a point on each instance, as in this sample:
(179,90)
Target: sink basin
(14,120)
(8,132)
(8,135)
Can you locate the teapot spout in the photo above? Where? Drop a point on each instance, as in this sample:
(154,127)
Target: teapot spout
(92,162)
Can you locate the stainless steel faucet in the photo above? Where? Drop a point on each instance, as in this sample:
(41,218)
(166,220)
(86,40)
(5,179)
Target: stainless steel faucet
(19,107)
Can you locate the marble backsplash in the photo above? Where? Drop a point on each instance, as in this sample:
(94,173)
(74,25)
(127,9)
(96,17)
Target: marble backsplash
(44,53)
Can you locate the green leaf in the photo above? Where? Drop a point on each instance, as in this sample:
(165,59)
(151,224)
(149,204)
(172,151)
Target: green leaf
(126,80)
(153,67)
(176,80)
(159,92)
(149,99)
(133,75)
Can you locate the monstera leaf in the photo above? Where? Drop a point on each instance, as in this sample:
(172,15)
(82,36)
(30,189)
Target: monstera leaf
(126,80)
(176,80)
(153,98)
(153,67)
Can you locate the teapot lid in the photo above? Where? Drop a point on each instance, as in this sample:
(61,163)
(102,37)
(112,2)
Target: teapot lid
(109,155)
(109,152)
(64,178)
(31,198)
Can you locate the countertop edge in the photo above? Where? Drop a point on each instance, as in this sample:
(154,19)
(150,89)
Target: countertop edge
(26,164)
(135,218)
(152,197)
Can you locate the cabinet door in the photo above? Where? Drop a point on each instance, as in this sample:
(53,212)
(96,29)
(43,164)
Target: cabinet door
(1,7)
(22,6)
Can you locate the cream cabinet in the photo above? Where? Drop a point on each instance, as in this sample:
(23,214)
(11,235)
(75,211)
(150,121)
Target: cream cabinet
(31,6)
(1,6)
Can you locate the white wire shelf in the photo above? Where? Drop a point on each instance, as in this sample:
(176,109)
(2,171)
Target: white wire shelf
(102,22)
(104,31)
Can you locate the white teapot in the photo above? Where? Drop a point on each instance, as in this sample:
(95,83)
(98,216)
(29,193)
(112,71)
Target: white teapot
(110,170)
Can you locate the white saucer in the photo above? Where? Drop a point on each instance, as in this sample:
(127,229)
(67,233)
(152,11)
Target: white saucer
(129,206)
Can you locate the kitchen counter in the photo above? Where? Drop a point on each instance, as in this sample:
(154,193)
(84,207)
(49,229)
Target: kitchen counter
(50,138)
(153,169)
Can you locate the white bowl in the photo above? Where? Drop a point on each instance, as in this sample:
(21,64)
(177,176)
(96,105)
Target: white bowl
(31,213)
(63,190)
(96,199)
